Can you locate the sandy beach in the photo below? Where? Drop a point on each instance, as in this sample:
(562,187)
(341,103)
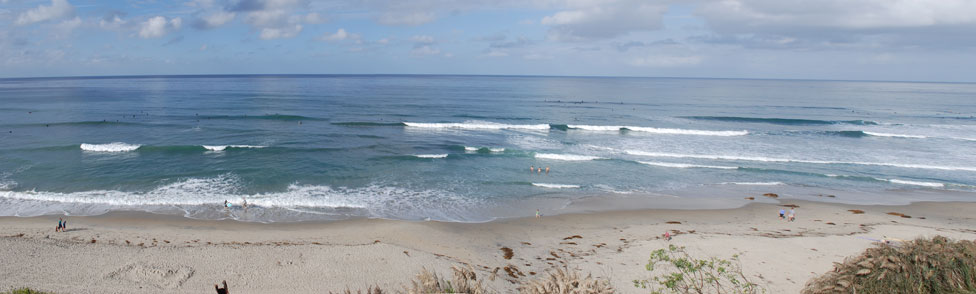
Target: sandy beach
(120,251)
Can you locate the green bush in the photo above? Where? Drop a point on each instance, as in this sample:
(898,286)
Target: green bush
(685,274)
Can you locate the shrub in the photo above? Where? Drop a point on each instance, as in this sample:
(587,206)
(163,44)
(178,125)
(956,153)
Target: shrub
(566,281)
(685,274)
(938,265)
(464,281)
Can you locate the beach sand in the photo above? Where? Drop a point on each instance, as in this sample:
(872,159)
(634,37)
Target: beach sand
(127,252)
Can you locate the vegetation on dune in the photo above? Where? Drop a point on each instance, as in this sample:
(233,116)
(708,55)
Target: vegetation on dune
(682,273)
(566,281)
(936,265)
(25,290)
(464,280)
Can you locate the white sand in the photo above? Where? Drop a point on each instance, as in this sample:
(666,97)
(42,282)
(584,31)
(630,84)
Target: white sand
(168,254)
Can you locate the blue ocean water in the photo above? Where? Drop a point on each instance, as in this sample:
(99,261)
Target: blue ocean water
(460,148)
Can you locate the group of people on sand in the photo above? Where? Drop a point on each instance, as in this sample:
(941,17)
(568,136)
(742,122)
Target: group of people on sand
(791,217)
(62,225)
(533,169)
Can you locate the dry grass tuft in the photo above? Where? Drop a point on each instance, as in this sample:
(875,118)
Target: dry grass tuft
(750,198)
(565,281)
(771,195)
(938,265)
(856,211)
(369,290)
(463,281)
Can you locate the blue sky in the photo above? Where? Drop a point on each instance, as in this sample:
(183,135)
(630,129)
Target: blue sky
(931,40)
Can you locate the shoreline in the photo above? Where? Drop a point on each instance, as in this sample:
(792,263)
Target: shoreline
(170,254)
(692,198)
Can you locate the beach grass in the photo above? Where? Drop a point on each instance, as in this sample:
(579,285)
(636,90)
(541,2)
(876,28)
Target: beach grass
(25,290)
(937,265)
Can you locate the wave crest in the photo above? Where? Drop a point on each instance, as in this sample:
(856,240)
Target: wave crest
(476,126)
(556,186)
(659,130)
(110,147)
(566,157)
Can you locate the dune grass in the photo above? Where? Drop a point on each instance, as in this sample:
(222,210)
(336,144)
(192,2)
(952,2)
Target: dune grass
(25,290)
(936,265)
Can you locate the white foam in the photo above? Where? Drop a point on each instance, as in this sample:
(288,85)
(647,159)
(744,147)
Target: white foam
(567,157)
(223,147)
(475,149)
(110,147)
(754,183)
(7,184)
(661,130)
(431,155)
(876,134)
(376,200)
(596,128)
(683,165)
(476,126)
(915,183)
(773,159)
(555,186)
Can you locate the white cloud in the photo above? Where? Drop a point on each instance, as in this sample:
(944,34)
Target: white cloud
(595,20)
(406,18)
(112,22)
(280,32)
(424,50)
(214,20)
(666,61)
(277,19)
(537,56)
(495,53)
(314,18)
(57,10)
(69,25)
(422,39)
(746,16)
(340,35)
(159,26)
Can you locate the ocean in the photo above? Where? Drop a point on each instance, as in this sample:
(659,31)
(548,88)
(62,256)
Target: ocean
(460,148)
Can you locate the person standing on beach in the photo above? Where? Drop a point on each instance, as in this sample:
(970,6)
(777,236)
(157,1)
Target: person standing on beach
(782,213)
(792,214)
(537,214)
(58,229)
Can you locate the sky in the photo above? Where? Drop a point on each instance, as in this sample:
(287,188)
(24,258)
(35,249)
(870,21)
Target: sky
(903,40)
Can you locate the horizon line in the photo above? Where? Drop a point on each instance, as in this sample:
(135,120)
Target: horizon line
(150,76)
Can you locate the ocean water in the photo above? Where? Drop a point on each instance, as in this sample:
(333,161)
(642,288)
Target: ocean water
(460,148)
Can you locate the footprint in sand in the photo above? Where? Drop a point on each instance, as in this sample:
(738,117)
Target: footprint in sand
(158,275)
